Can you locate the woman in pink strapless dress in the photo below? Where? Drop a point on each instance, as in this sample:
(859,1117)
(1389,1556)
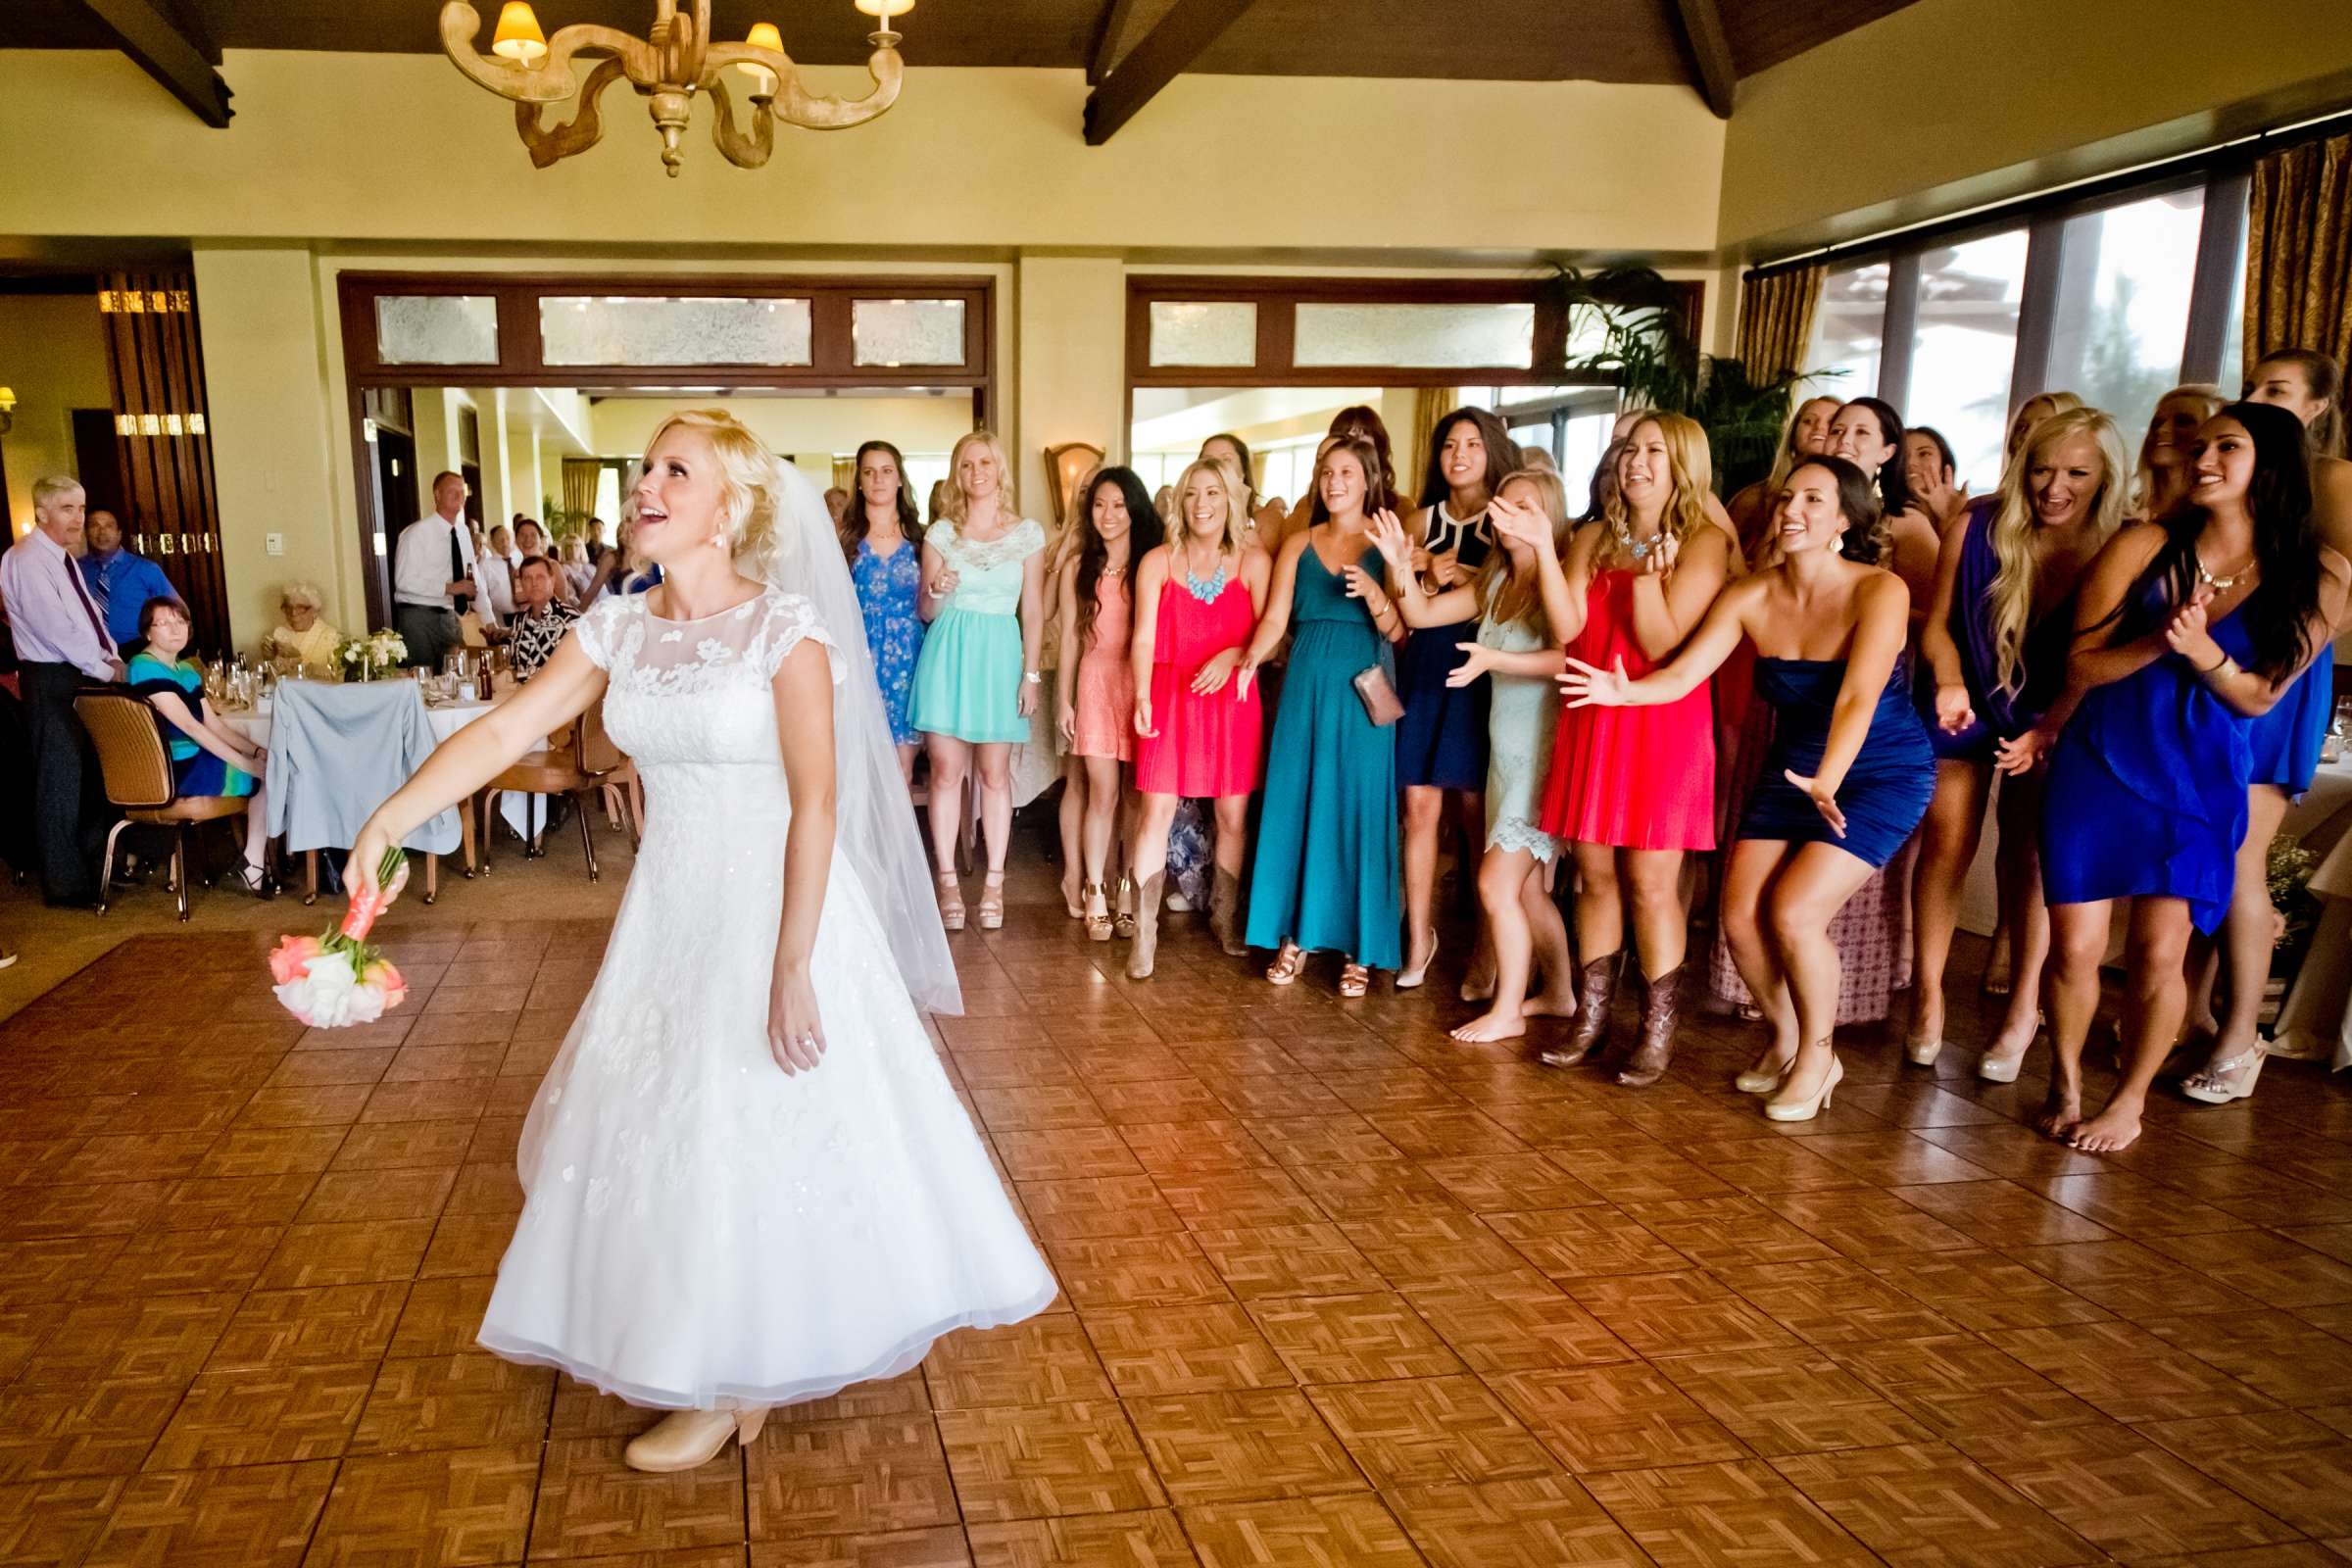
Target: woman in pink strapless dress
(1095,688)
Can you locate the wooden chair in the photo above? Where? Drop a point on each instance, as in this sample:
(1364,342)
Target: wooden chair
(136,765)
(578,761)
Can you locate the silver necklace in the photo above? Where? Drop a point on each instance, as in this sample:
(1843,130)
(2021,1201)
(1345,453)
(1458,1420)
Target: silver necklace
(1639,549)
(2221,584)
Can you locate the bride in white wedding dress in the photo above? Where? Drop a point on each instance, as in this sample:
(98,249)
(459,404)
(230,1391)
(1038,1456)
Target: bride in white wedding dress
(749,1182)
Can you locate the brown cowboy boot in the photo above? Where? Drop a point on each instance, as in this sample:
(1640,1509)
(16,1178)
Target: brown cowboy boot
(1595,989)
(1225,912)
(1648,1063)
(1147,928)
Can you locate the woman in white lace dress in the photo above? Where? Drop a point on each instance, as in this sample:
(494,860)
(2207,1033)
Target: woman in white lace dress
(1519,657)
(748,1183)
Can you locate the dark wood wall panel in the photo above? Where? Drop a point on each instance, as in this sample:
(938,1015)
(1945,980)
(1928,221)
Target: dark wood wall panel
(163,443)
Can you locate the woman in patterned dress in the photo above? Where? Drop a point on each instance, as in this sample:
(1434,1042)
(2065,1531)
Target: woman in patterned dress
(883,539)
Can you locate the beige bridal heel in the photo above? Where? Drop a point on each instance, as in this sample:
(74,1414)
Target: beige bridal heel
(684,1439)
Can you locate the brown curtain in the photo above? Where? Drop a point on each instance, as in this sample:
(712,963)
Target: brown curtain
(1430,405)
(2299,251)
(1776,318)
(845,475)
(155,360)
(579,487)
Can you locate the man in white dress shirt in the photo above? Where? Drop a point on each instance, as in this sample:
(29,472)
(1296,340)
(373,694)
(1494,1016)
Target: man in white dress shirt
(62,645)
(432,575)
(495,569)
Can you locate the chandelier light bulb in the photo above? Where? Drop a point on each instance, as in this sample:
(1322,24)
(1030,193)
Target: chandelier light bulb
(883,10)
(764,35)
(519,37)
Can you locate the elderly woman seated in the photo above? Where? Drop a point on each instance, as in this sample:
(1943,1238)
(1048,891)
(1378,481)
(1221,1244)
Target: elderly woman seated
(301,634)
(208,757)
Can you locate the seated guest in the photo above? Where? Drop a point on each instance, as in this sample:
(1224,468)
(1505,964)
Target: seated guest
(302,634)
(579,572)
(121,579)
(540,618)
(208,757)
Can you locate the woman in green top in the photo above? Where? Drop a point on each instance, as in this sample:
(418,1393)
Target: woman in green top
(208,757)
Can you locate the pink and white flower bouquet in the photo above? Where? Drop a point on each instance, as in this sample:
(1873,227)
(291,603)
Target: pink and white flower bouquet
(340,979)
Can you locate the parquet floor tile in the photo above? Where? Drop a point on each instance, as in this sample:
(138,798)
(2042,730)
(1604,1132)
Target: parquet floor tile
(1338,1290)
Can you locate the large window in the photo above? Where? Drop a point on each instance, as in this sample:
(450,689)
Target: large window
(2117,299)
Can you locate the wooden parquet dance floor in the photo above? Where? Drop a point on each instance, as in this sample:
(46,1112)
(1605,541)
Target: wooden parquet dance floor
(1336,1291)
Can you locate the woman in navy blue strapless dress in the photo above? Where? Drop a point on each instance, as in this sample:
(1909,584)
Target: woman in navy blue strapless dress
(2285,743)
(1850,770)
(2188,628)
(1992,656)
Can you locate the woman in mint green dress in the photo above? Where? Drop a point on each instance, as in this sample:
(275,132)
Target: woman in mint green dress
(1325,878)
(977,682)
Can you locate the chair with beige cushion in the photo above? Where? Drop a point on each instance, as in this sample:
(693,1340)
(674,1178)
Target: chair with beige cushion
(136,765)
(578,761)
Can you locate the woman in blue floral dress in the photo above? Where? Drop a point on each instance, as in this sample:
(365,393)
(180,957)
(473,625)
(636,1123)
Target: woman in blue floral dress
(883,539)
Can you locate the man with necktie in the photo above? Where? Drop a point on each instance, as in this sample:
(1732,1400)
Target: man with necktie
(120,578)
(432,575)
(62,643)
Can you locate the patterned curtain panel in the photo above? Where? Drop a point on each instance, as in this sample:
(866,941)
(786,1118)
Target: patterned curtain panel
(1430,405)
(2299,251)
(156,362)
(579,487)
(1776,318)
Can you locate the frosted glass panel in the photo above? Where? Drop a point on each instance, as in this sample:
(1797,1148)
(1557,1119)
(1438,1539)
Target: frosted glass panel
(1221,333)
(894,333)
(1421,336)
(628,329)
(436,330)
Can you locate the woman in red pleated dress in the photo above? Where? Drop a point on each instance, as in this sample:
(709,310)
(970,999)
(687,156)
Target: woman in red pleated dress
(1634,789)
(1199,731)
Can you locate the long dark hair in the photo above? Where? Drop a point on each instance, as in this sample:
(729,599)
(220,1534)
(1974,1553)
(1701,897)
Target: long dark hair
(854,524)
(1503,455)
(1866,538)
(1248,466)
(1894,485)
(2277,612)
(1144,534)
(1367,454)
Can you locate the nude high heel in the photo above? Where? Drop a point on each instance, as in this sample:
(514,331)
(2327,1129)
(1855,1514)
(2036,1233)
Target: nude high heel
(1808,1108)
(991,901)
(951,902)
(1756,1081)
(684,1439)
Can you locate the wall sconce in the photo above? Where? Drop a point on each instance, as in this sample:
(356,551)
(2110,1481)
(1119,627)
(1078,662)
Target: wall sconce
(1066,469)
(8,409)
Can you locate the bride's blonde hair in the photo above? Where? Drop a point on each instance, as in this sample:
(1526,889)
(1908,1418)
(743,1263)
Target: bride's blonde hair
(750,481)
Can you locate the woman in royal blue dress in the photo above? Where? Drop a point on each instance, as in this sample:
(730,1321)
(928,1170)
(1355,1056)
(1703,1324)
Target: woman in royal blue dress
(1994,647)
(1849,774)
(2285,743)
(2188,629)
(1324,878)
(883,538)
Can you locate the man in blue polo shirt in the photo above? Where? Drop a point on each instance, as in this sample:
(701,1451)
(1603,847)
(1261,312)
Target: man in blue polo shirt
(119,579)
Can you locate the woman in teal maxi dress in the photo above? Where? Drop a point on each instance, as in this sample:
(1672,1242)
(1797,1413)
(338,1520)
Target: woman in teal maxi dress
(1325,878)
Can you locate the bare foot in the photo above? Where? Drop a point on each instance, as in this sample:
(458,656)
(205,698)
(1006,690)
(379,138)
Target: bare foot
(2062,1112)
(1490,1026)
(1551,1003)
(2110,1132)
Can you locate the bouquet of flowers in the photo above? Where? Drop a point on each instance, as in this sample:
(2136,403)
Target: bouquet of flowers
(338,979)
(372,654)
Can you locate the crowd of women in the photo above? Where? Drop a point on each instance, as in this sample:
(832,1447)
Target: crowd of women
(1802,698)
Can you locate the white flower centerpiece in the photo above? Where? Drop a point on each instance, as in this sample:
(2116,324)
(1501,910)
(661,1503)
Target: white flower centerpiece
(373,656)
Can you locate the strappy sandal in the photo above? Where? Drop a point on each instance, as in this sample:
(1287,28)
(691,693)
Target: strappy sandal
(1122,921)
(951,902)
(2228,1080)
(991,901)
(1355,980)
(1098,914)
(1286,965)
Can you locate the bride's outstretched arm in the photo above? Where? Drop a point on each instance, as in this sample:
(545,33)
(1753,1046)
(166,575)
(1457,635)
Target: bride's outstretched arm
(804,695)
(478,753)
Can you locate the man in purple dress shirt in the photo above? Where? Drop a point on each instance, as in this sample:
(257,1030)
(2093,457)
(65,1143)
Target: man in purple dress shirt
(62,644)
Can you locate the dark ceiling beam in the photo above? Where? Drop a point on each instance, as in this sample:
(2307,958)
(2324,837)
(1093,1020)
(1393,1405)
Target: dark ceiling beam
(1108,34)
(1183,35)
(1711,52)
(165,51)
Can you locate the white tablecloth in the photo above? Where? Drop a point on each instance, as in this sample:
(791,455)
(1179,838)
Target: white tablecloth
(443,721)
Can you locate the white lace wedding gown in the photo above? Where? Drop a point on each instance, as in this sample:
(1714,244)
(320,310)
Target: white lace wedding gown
(703,1230)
